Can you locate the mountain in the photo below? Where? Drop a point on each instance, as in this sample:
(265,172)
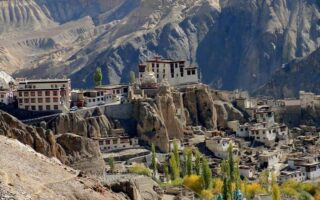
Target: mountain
(299,74)
(236,43)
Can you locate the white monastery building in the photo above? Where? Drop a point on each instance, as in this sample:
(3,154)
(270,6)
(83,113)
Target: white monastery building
(175,72)
(44,94)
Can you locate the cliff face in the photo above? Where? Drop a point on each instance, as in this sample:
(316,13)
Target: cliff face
(90,125)
(300,74)
(77,151)
(236,43)
(166,117)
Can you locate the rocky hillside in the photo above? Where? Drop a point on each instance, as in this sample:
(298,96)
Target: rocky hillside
(74,150)
(236,43)
(26,174)
(300,74)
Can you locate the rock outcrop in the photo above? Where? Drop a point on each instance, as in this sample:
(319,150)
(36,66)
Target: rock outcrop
(86,124)
(77,151)
(166,117)
(26,174)
(200,107)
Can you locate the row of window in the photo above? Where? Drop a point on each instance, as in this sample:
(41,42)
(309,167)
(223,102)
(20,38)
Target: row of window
(39,93)
(34,86)
(39,100)
(40,108)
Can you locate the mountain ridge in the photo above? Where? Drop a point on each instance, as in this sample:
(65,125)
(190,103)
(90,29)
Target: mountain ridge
(236,44)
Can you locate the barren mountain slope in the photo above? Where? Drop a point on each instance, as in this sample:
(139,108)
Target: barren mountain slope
(236,43)
(300,74)
(25,174)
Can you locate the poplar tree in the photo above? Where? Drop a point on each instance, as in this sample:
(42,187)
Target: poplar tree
(132,77)
(276,194)
(206,174)
(166,172)
(185,163)
(175,174)
(189,162)
(111,164)
(153,160)
(176,152)
(97,77)
(197,166)
(231,163)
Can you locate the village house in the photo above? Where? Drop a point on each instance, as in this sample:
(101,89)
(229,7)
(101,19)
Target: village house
(309,99)
(289,174)
(117,143)
(246,171)
(308,164)
(44,94)
(175,72)
(93,98)
(219,146)
(114,93)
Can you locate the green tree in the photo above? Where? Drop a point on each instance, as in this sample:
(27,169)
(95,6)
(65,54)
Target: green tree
(132,77)
(111,164)
(189,162)
(97,77)
(231,163)
(176,152)
(153,160)
(225,190)
(206,174)
(175,173)
(197,166)
(185,163)
(166,172)
(276,194)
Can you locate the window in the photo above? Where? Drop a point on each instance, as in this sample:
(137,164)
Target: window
(47,93)
(26,94)
(40,108)
(89,100)
(34,87)
(100,142)
(98,99)
(20,94)
(55,99)
(40,100)
(193,71)
(27,107)
(48,107)
(33,108)
(55,107)
(26,100)
(20,100)
(188,72)
(55,93)
(48,100)
(39,93)
(2,96)
(33,100)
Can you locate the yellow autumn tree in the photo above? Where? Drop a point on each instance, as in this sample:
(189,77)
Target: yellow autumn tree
(252,189)
(206,194)
(193,182)
(217,186)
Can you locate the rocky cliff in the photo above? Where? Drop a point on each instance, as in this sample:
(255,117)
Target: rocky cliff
(77,151)
(300,74)
(26,174)
(166,117)
(236,43)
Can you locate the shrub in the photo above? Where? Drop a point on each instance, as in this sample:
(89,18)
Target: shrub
(193,182)
(140,169)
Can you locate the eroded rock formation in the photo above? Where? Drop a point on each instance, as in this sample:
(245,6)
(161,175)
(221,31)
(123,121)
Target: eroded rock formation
(77,151)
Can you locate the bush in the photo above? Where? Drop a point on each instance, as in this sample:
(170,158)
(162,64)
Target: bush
(140,169)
